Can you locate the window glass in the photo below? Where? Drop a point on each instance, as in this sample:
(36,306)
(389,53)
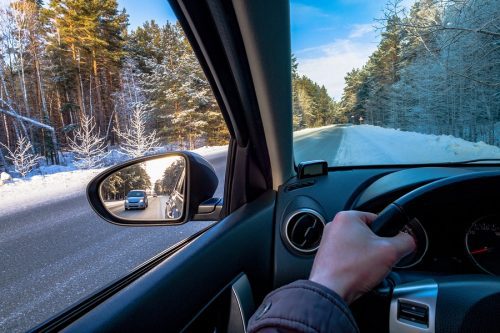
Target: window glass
(396,82)
(85,85)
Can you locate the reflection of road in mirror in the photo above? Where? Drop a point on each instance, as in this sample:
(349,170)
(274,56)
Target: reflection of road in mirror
(140,191)
(154,211)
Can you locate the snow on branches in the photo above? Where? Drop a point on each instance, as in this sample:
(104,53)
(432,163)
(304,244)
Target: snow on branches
(22,158)
(88,146)
(135,140)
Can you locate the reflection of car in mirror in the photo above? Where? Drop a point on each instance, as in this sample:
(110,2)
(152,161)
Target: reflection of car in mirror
(136,199)
(175,202)
(158,183)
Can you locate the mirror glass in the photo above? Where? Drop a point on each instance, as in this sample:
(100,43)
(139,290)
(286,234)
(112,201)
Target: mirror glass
(152,190)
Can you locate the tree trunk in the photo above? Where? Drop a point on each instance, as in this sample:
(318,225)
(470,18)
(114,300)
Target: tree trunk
(78,79)
(2,161)
(100,109)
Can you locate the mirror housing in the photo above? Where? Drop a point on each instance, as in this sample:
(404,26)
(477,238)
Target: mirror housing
(200,183)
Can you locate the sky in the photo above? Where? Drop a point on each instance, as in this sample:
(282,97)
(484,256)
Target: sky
(329,37)
(332,37)
(145,10)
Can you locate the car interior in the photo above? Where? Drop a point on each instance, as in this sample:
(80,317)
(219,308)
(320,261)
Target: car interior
(273,213)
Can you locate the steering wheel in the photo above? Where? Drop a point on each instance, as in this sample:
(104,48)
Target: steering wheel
(458,303)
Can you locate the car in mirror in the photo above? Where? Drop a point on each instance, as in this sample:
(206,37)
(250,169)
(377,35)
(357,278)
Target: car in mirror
(163,189)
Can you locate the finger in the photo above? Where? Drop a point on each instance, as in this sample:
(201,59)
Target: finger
(404,244)
(366,217)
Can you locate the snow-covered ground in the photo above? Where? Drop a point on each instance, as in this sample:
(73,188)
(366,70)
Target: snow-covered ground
(366,144)
(305,131)
(57,182)
(208,150)
(360,145)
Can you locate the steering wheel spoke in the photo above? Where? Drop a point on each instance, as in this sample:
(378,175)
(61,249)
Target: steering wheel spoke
(460,303)
(443,304)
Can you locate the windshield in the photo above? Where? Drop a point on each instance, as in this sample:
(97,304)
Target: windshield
(395,82)
(132,194)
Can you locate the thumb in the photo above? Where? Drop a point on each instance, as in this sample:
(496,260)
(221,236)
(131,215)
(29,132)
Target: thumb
(403,243)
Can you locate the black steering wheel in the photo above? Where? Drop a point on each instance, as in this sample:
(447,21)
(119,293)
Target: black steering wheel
(458,303)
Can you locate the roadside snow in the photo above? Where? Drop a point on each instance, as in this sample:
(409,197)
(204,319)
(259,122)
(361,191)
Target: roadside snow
(360,145)
(57,181)
(304,132)
(366,144)
(206,150)
(21,194)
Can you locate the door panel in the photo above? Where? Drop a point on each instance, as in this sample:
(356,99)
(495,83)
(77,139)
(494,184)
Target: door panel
(171,295)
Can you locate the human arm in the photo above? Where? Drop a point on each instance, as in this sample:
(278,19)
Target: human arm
(351,260)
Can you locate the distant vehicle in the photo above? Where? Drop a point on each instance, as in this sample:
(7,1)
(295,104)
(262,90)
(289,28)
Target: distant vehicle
(136,199)
(155,195)
(175,202)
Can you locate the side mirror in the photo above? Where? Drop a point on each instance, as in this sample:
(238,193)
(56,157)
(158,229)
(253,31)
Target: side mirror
(164,189)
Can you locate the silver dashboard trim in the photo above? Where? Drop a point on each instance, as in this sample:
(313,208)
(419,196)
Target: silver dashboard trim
(424,293)
(289,218)
(425,250)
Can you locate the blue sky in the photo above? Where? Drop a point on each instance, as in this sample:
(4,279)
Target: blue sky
(329,37)
(140,11)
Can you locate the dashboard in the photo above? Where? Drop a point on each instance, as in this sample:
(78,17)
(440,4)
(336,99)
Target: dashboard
(455,235)
(458,233)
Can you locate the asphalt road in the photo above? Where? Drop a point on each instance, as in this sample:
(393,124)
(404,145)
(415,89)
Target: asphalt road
(54,254)
(318,145)
(154,211)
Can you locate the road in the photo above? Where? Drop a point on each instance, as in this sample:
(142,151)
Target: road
(56,253)
(154,211)
(319,144)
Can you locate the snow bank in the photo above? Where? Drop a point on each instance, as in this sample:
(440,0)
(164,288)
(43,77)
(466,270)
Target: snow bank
(360,145)
(23,193)
(366,144)
(207,150)
(57,181)
(307,131)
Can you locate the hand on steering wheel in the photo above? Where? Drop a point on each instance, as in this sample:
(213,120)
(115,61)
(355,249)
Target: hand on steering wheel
(351,259)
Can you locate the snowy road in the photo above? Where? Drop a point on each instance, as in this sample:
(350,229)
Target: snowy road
(53,254)
(318,144)
(154,211)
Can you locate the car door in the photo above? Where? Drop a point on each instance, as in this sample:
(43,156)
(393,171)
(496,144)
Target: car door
(214,279)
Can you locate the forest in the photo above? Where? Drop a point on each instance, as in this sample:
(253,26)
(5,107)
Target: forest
(436,70)
(76,81)
(73,78)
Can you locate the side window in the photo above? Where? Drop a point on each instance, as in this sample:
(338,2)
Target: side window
(83,88)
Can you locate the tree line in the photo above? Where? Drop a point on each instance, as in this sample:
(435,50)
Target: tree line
(74,78)
(117,186)
(436,70)
(71,74)
(312,106)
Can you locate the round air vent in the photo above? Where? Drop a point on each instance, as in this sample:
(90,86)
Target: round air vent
(303,230)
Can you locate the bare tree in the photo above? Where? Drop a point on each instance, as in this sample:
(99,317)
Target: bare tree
(22,158)
(135,140)
(9,111)
(88,145)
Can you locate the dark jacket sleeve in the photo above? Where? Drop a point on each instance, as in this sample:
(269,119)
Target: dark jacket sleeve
(302,306)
